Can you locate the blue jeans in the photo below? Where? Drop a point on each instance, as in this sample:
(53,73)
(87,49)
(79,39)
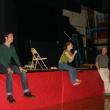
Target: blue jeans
(72,71)
(9,78)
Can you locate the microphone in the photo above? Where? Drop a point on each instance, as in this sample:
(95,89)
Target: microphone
(67,35)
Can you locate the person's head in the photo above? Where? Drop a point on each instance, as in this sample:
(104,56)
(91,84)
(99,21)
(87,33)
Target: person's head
(104,51)
(9,37)
(68,46)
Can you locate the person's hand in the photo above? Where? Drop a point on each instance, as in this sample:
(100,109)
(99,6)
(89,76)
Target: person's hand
(22,70)
(98,70)
(75,52)
(10,71)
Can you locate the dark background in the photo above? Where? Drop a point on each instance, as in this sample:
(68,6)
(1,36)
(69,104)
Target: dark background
(40,24)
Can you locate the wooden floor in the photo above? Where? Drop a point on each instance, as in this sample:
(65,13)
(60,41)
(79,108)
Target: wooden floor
(92,103)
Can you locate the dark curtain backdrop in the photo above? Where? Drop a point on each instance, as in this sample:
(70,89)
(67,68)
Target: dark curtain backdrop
(39,21)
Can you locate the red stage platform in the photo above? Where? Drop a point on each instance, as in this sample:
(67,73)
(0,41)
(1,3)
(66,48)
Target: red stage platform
(50,88)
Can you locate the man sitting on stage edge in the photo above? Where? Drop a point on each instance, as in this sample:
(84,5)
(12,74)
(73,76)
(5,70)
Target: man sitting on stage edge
(102,61)
(7,53)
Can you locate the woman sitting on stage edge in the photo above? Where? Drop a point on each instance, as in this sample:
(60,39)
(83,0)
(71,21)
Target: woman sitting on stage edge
(67,57)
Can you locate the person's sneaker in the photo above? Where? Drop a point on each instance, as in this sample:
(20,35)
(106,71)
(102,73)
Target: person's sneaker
(28,94)
(10,99)
(76,83)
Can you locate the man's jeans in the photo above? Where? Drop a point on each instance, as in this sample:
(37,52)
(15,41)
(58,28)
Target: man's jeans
(72,71)
(9,78)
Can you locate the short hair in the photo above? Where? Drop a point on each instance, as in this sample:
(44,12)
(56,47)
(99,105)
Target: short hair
(7,33)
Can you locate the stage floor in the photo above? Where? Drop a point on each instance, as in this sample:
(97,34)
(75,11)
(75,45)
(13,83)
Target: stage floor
(91,103)
(51,88)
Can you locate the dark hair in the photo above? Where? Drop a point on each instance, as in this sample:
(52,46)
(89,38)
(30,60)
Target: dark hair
(67,43)
(7,33)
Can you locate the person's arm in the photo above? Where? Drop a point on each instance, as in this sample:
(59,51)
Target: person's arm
(97,64)
(4,62)
(71,57)
(108,61)
(15,57)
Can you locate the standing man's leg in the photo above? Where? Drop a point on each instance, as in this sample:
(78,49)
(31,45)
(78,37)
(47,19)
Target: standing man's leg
(104,73)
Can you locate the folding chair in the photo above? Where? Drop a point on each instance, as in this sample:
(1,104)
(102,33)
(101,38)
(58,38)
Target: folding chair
(36,59)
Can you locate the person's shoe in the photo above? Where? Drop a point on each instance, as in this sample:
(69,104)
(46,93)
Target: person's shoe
(28,94)
(76,83)
(10,99)
(78,80)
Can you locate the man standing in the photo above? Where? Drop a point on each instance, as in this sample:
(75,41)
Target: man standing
(7,54)
(102,61)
